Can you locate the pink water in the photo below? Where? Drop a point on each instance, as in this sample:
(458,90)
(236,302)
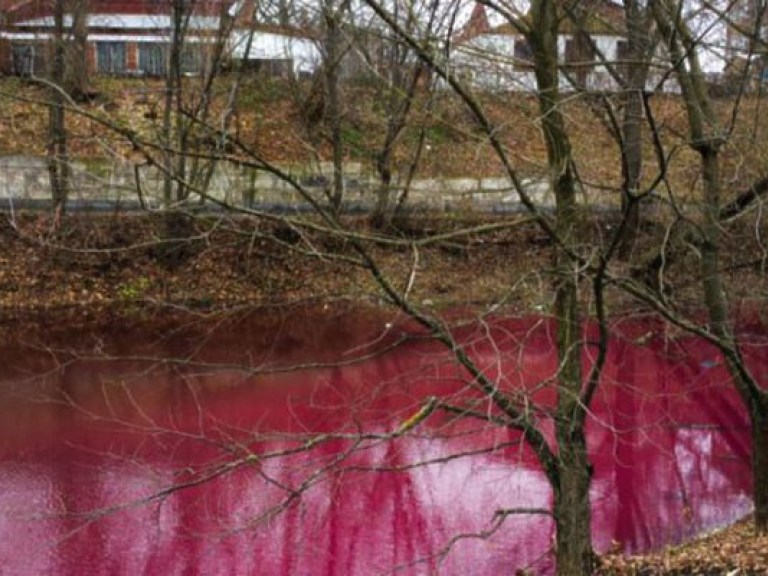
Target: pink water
(127,466)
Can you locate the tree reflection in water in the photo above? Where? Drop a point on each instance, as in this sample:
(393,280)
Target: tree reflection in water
(224,458)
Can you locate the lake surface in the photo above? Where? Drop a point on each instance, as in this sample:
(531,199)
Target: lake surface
(264,446)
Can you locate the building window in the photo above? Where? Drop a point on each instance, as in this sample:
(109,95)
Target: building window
(190,59)
(110,57)
(152,59)
(523,54)
(579,50)
(623,58)
(580,55)
(24,59)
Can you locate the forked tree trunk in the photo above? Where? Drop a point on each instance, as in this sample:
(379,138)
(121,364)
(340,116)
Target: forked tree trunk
(755,400)
(570,485)
(707,139)
(402,84)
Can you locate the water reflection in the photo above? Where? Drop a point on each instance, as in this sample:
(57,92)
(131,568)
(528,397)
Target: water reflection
(214,463)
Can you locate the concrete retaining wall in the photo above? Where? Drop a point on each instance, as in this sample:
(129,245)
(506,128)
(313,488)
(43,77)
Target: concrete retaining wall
(25,178)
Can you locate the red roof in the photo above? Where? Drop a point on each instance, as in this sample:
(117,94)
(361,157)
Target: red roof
(596,17)
(154,6)
(15,10)
(477,23)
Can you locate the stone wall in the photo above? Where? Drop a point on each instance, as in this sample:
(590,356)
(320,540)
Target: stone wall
(25,179)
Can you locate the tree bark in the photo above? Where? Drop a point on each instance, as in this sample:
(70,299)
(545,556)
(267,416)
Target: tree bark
(172,88)
(634,74)
(716,301)
(571,487)
(58,160)
(76,78)
(707,139)
(572,510)
(332,76)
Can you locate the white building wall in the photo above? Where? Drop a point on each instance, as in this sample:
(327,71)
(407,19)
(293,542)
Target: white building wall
(303,52)
(488,63)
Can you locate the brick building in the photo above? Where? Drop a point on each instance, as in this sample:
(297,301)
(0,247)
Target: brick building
(126,37)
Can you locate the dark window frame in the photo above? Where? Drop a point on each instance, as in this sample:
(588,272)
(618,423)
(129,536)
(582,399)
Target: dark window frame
(25,59)
(111,57)
(191,59)
(523,54)
(153,58)
(623,58)
(580,51)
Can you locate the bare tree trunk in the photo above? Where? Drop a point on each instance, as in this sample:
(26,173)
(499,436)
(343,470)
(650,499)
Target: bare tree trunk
(58,159)
(172,88)
(76,79)
(631,170)
(178,227)
(571,490)
(568,470)
(755,399)
(400,82)
(636,75)
(181,14)
(332,69)
(384,208)
(714,294)
(413,165)
(572,509)
(401,100)
(202,170)
(706,139)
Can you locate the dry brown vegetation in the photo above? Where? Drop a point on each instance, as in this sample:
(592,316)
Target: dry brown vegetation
(736,551)
(272,119)
(116,260)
